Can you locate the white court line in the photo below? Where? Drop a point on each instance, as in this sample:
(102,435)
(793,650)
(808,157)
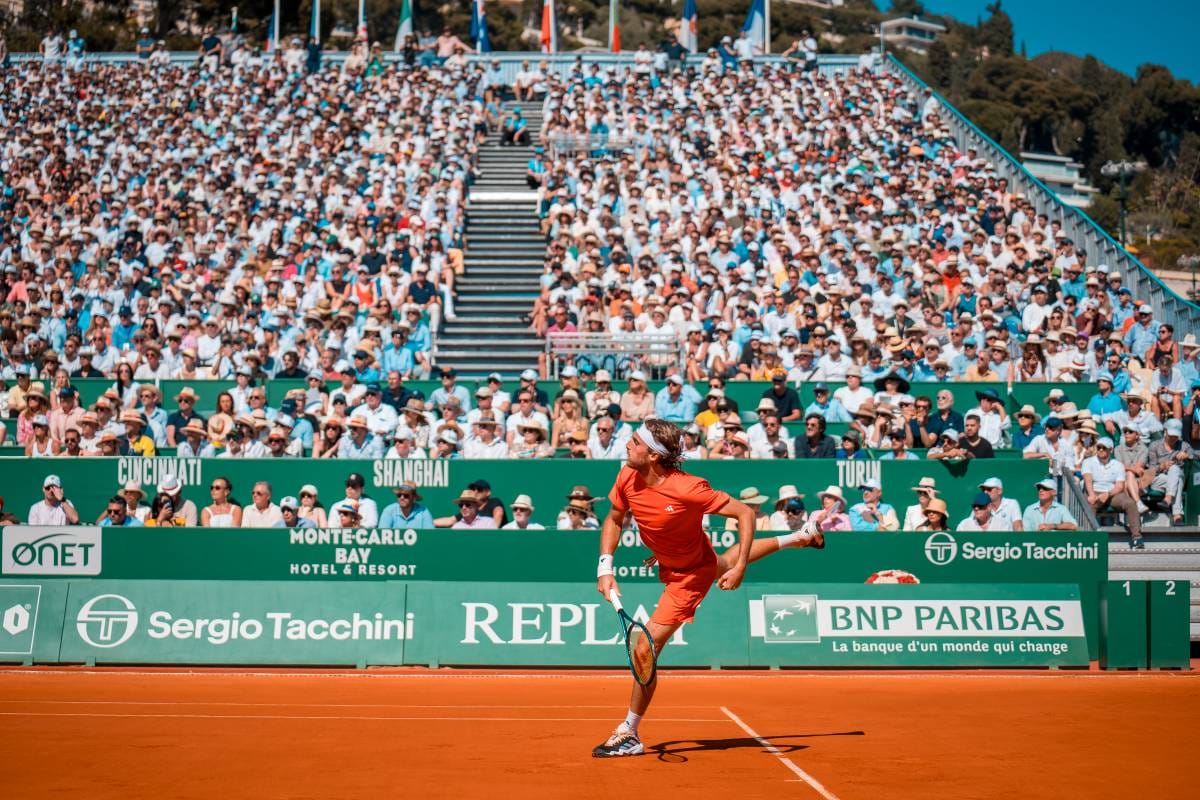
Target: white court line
(621,676)
(775,751)
(332,716)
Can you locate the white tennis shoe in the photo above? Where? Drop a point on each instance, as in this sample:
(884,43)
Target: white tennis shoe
(623,742)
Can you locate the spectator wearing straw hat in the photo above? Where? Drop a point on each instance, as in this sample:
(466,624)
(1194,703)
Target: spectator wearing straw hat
(1028,427)
(935,517)
(359,442)
(582,497)
(184,413)
(522,510)
(872,514)
(755,499)
(346,514)
(133,495)
(407,511)
(136,442)
(914,515)
(469,516)
(531,442)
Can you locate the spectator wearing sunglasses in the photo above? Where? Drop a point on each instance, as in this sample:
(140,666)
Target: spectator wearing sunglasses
(117,515)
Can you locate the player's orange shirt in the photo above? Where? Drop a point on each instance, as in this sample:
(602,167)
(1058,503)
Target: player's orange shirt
(670,515)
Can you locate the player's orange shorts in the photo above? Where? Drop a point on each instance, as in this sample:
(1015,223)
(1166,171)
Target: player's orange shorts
(683,592)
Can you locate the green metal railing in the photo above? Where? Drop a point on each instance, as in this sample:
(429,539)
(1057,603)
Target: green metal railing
(1088,236)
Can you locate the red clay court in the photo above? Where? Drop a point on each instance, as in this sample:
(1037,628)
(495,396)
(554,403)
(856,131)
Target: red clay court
(173,733)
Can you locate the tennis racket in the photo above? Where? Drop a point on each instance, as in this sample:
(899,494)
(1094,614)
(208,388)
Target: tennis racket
(643,661)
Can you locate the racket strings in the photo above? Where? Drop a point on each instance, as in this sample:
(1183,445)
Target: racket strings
(641,654)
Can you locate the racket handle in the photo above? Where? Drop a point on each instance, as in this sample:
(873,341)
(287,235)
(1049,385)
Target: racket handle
(615,599)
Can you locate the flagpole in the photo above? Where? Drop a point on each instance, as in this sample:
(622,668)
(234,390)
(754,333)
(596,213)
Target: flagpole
(612,25)
(275,26)
(362,17)
(315,31)
(767,28)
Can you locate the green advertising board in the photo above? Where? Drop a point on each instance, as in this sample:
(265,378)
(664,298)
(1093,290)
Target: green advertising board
(234,622)
(351,556)
(951,625)
(541,624)
(89,483)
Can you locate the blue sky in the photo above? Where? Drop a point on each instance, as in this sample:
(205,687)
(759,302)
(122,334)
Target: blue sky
(1121,34)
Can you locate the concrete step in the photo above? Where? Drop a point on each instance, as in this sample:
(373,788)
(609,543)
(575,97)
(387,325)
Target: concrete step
(490,320)
(514,307)
(500,239)
(466,327)
(480,270)
(482,346)
(522,251)
(467,286)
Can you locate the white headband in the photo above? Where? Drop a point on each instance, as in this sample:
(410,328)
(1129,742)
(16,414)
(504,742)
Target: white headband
(646,436)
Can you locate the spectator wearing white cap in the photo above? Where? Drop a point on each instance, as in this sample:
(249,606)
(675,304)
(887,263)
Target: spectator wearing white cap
(603,395)
(1004,508)
(54,508)
(872,514)
(1104,482)
(261,512)
(1143,333)
(1164,467)
(289,513)
(522,509)
(185,510)
(40,445)
(637,402)
(1047,514)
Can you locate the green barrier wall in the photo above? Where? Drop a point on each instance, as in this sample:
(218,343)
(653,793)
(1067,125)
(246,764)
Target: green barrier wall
(536,624)
(745,393)
(350,557)
(90,482)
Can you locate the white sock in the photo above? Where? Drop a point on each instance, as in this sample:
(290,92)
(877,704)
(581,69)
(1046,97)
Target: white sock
(792,539)
(631,722)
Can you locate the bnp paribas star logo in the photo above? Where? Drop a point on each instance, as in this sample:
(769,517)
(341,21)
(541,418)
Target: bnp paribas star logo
(790,619)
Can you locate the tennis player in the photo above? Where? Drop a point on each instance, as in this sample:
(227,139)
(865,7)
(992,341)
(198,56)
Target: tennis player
(669,506)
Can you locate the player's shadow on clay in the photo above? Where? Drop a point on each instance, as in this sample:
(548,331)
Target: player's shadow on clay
(673,752)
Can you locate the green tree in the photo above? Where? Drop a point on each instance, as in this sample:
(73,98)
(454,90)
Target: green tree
(941,65)
(996,32)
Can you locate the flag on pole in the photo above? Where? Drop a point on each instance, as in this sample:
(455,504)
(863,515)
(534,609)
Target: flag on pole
(362,20)
(614,27)
(687,30)
(233,20)
(756,25)
(314,25)
(273,30)
(549,27)
(406,27)
(479,31)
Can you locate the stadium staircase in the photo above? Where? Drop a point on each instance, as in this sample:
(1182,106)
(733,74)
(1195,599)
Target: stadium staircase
(1171,554)
(504,261)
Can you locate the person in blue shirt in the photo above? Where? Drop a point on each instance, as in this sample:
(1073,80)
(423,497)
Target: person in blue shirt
(1105,403)
(450,388)
(407,511)
(514,129)
(289,512)
(397,356)
(828,407)
(124,330)
(535,170)
(1143,333)
(676,402)
(1028,427)
(116,515)
(872,514)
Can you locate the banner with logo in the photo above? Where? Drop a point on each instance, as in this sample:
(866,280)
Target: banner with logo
(220,622)
(535,624)
(559,624)
(897,625)
(1073,557)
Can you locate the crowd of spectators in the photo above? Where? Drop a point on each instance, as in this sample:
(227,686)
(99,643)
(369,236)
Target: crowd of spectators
(258,216)
(476,507)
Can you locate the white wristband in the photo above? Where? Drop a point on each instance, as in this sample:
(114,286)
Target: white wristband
(605,567)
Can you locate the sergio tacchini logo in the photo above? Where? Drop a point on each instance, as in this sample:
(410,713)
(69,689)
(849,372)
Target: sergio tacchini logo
(941,548)
(111,618)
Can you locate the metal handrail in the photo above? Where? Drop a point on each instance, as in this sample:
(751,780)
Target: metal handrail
(1168,306)
(572,143)
(620,354)
(1071,495)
